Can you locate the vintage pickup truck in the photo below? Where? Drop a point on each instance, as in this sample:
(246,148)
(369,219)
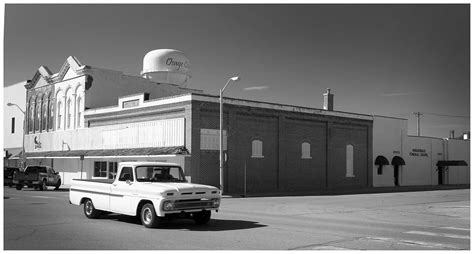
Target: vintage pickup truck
(38,177)
(149,190)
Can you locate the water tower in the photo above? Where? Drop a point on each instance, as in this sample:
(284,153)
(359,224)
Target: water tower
(166,66)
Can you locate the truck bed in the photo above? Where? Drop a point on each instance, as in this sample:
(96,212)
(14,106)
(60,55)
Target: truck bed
(106,181)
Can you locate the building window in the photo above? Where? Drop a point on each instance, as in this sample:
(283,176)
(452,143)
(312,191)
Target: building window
(112,170)
(350,161)
(380,170)
(69,106)
(44,121)
(37,116)
(100,169)
(13,124)
(79,112)
(51,113)
(31,122)
(59,115)
(130,104)
(257,149)
(306,150)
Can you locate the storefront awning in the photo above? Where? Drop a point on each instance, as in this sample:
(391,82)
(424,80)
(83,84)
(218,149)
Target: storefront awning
(451,163)
(128,152)
(398,161)
(381,160)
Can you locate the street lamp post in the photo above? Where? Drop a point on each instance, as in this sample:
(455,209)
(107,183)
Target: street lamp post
(221,161)
(22,159)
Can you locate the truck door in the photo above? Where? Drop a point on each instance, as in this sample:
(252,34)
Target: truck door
(122,190)
(51,175)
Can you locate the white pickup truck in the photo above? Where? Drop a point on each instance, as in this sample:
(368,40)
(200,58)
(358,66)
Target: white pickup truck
(150,190)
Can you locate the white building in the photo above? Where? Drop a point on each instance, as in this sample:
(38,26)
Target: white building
(406,160)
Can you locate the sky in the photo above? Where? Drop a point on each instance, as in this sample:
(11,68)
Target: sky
(389,60)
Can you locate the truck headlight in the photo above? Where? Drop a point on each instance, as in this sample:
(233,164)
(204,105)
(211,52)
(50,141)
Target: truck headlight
(168,205)
(216,202)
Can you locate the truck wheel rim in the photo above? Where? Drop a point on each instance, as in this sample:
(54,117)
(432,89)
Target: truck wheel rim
(88,207)
(147,215)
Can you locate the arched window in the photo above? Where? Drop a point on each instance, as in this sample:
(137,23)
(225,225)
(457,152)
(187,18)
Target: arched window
(305,150)
(350,161)
(44,112)
(31,116)
(69,115)
(51,112)
(37,115)
(257,149)
(59,115)
(79,111)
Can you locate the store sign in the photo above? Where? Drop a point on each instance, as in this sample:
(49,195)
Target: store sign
(418,152)
(37,142)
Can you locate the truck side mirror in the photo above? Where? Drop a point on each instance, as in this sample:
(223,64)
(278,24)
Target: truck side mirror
(129,182)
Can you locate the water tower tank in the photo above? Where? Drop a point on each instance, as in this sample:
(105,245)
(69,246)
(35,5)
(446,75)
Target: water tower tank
(166,66)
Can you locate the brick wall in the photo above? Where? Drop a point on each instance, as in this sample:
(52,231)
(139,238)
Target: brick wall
(282,167)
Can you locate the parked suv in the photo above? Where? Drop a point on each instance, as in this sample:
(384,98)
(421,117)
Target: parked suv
(37,177)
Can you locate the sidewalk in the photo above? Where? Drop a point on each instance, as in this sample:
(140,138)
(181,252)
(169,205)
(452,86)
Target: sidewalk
(346,191)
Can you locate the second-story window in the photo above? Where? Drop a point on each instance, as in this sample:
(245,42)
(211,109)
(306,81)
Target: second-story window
(79,111)
(59,115)
(13,124)
(69,113)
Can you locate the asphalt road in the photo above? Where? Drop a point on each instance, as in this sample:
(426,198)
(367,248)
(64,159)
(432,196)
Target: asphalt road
(430,220)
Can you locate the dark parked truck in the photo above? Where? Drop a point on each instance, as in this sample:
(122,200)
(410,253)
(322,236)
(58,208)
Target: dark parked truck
(37,177)
(8,175)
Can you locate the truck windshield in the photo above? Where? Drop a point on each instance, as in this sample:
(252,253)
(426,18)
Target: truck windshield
(159,174)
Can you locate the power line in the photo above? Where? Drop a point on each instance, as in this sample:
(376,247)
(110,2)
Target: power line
(444,115)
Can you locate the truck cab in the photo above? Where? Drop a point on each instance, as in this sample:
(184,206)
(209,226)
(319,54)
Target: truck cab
(150,190)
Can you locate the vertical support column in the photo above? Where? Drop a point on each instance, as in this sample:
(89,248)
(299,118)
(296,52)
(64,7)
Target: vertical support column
(193,139)
(281,149)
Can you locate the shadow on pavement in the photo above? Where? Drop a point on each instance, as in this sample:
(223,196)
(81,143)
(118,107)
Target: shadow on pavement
(188,224)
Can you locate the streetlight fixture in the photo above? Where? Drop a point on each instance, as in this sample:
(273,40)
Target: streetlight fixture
(221,161)
(23,157)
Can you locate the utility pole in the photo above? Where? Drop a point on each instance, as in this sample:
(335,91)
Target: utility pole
(418,114)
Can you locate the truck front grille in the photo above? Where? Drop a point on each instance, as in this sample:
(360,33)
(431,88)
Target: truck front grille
(192,204)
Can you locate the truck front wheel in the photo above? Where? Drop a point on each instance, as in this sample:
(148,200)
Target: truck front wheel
(202,217)
(90,211)
(58,184)
(148,216)
(19,186)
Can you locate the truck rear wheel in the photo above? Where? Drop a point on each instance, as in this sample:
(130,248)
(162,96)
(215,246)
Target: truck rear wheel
(19,186)
(148,216)
(202,217)
(43,186)
(90,211)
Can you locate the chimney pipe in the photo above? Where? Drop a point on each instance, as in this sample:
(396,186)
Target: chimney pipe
(451,134)
(328,100)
